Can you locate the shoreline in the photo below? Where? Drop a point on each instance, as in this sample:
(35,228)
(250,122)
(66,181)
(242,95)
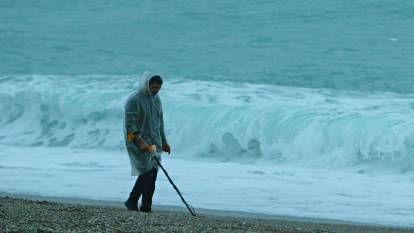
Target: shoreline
(220,220)
(282,190)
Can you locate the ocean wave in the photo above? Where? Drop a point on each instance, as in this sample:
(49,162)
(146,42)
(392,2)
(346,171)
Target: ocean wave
(223,121)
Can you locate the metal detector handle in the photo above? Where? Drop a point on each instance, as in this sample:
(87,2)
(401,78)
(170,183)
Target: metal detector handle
(190,208)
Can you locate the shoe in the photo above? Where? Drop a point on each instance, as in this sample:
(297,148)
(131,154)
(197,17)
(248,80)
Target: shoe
(130,206)
(146,210)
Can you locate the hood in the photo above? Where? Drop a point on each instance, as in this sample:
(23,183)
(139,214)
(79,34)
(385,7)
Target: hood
(144,83)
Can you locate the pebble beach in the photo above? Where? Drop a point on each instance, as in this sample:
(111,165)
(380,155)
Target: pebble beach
(20,214)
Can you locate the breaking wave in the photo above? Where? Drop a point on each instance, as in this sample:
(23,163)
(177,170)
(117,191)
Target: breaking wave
(217,120)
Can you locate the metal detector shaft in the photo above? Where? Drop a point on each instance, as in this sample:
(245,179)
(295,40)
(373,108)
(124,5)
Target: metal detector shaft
(175,187)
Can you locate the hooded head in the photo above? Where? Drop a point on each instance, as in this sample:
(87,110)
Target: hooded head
(150,84)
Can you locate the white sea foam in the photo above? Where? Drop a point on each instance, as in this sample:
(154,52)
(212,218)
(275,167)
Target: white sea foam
(257,188)
(62,136)
(222,121)
(219,120)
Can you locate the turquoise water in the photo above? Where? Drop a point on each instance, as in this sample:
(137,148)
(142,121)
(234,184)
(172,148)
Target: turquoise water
(239,122)
(350,45)
(313,98)
(327,83)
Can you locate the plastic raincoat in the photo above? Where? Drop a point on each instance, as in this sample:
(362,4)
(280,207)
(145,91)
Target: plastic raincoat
(144,118)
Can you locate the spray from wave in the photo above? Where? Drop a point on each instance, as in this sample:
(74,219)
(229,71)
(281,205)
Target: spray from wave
(218,120)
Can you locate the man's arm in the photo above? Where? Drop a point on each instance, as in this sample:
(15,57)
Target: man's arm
(163,138)
(165,146)
(131,117)
(132,111)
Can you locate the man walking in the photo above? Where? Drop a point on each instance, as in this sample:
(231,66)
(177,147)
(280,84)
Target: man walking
(145,138)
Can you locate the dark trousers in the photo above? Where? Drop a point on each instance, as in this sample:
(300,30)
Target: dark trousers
(145,186)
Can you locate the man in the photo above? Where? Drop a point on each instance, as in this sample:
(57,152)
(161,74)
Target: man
(145,139)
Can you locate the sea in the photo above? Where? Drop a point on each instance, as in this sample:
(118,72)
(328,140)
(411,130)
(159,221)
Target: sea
(284,108)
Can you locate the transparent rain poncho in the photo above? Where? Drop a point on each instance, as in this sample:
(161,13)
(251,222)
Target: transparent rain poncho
(144,118)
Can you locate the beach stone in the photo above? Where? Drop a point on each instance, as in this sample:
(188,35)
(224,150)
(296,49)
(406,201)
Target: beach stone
(15,231)
(42,230)
(42,202)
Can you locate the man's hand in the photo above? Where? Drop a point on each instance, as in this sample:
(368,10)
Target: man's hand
(166,148)
(152,148)
(147,148)
(142,145)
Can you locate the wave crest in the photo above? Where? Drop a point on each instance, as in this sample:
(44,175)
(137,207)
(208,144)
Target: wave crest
(218,120)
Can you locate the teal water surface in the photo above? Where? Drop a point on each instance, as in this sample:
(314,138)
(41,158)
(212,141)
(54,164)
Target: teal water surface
(354,45)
